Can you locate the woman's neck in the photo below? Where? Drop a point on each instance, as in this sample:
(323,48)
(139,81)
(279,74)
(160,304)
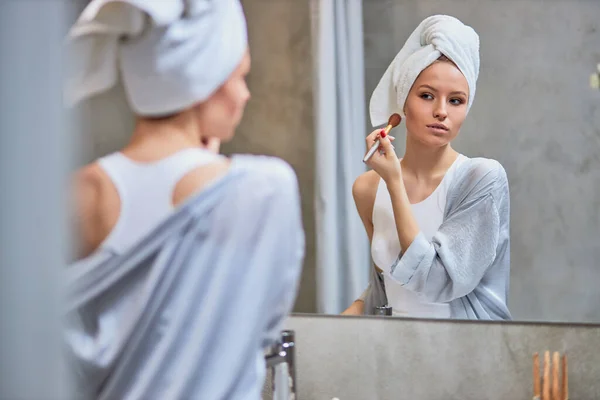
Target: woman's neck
(425,162)
(164,136)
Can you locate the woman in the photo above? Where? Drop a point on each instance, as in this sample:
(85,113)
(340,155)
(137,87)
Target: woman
(187,261)
(438,221)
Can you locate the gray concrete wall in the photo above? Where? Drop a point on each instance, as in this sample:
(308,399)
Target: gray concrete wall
(377,358)
(105,121)
(534,112)
(278,120)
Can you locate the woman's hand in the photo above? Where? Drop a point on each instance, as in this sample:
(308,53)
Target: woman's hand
(385,161)
(211,144)
(387,165)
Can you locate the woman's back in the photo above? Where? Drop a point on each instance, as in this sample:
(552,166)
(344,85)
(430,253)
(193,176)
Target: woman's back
(172,300)
(163,319)
(120,199)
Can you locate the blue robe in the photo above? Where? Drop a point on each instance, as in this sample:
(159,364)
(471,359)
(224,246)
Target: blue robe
(187,312)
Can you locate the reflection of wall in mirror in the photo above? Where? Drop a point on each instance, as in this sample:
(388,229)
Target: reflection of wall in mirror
(595,78)
(535,113)
(279,117)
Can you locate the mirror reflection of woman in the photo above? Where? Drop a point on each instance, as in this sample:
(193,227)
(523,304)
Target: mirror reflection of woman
(438,221)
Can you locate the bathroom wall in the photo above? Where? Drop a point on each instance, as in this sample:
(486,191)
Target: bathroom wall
(378,358)
(105,121)
(534,112)
(278,120)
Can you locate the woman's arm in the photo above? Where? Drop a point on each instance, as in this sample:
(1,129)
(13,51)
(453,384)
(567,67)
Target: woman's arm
(363,192)
(259,236)
(453,263)
(90,216)
(406,224)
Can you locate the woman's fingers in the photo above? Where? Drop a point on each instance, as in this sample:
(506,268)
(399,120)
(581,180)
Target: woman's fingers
(386,145)
(373,136)
(379,134)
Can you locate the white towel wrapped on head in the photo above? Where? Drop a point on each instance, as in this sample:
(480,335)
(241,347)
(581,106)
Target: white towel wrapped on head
(169,54)
(435,36)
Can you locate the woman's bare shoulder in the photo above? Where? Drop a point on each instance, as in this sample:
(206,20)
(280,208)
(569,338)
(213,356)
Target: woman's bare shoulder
(256,177)
(365,186)
(89,189)
(364,191)
(196,180)
(86,186)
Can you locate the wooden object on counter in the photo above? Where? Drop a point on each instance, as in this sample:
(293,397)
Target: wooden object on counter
(537,379)
(546,377)
(554,382)
(565,378)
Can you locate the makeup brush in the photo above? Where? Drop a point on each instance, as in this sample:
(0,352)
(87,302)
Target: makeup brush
(537,380)
(546,377)
(555,382)
(393,122)
(565,378)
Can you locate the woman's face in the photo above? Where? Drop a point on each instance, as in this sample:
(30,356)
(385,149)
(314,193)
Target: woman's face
(220,115)
(436,105)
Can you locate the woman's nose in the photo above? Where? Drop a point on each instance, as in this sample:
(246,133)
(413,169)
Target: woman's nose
(440,111)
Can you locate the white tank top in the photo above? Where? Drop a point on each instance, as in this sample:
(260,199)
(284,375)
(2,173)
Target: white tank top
(146,191)
(385,245)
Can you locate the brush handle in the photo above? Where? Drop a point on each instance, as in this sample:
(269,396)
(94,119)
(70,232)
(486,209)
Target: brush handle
(537,382)
(376,145)
(372,150)
(565,378)
(555,382)
(546,392)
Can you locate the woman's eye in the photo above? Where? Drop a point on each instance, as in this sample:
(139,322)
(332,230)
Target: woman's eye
(426,96)
(457,101)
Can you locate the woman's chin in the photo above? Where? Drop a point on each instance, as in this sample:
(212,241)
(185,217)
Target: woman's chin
(228,135)
(433,141)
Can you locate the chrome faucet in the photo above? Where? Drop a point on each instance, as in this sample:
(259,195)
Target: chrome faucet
(280,353)
(383,310)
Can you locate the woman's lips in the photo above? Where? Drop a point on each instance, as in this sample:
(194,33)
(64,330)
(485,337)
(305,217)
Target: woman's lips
(438,128)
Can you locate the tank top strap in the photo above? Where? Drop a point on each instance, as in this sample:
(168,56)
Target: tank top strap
(145,191)
(115,166)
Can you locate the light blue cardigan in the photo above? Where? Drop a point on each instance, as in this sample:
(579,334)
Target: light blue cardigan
(187,312)
(467,262)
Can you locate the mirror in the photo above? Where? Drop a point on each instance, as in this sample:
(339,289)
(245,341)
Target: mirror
(535,112)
